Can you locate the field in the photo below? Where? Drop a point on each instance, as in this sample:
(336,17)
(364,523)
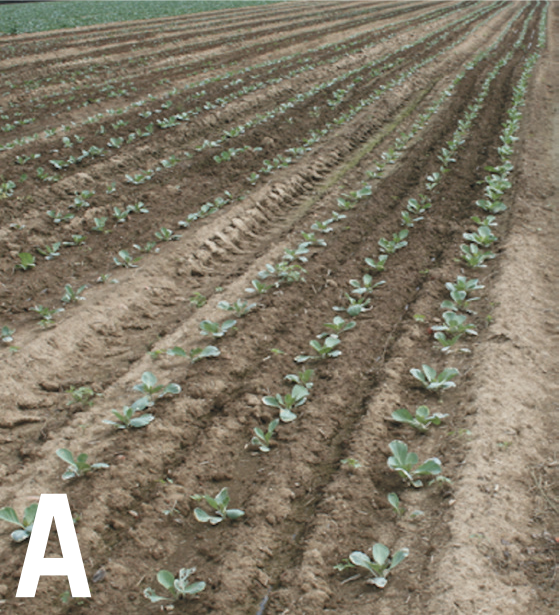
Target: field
(280,214)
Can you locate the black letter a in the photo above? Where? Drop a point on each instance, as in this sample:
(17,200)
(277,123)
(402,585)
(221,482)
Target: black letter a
(54,505)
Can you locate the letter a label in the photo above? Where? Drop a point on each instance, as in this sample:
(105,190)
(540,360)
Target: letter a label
(71,565)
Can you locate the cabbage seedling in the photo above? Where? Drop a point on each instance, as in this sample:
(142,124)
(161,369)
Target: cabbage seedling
(70,295)
(483,237)
(46,314)
(81,395)
(196,354)
(491,206)
(417,207)
(26,261)
(381,565)
(241,308)
(125,259)
(166,234)
(432,180)
(285,404)
(395,503)
(323,350)
(433,381)
(309,239)
(473,256)
(407,220)
(322,227)
(464,284)
(258,287)
(337,326)
(138,208)
(366,286)
(149,387)
(50,252)
(79,466)
(357,306)
(120,215)
(100,225)
(390,246)
(403,463)
(77,240)
(26,524)
(378,265)
(57,217)
(488,221)
(303,378)
(127,419)
(459,301)
(178,587)
(455,324)
(262,439)
(421,420)
(445,342)
(207,327)
(198,300)
(7,334)
(219,504)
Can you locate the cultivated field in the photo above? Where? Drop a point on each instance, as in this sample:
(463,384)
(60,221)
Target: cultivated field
(303,218)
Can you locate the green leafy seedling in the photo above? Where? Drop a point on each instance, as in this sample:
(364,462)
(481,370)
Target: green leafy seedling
(26,524)
(464,284)
(433,381)
(26,261)
(483,237)
(220,505)
(455,324)
(474,256)
(365,286)
(178,587)
(303,378)
(81,395)
(70,295)
(285,404)
(7,334)
(125,260)
(328,349)
(395,504)
(381,564)
(198,300)
(79,466)
(459,301)
(403,462)
(337,326)
(149,387)
(196,354)
(262,438)
(207,327)
(240,307)
(421,420)
(378,265)
(127,418)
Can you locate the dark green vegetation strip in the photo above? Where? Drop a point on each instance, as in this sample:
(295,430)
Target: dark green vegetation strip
(39,16)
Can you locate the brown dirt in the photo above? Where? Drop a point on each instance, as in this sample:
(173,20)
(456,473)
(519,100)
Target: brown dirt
(486,543)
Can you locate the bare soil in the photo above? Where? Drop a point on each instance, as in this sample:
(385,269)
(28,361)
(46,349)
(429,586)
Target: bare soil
(487,542)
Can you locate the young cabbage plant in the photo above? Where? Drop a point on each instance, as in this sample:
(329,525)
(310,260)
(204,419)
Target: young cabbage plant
(488,221)
(240,307)
(262,439)
(365,286)
(81,395)
(356,305)
(483,237)
(178,587)
(50,252)
(219,504)
(328,349)
(26,261)
(25,525)
(127,418)
(403,462)
(258,287)
(125,259)
(166,234)
(7,334)
(47,315)
(197,354)
(446,343)
(390,246)
(473,256)
(491,206)
(288,402)
(138,208)
(150,388)
(77,240)
(120,215)
(381,564)
(395,504)
(407,220)
(100,225)
(207,327)
(322,227)
(378,265)
(57,217)
(459,301)
(79,466)
(337,326)
(432,180)
(304,378)
(416,207)
(464,284)
(421,420)
(309,239)
(70,295)
(433,381)
(455,324)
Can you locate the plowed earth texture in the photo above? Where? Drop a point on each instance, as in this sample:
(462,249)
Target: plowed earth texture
(328,87)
